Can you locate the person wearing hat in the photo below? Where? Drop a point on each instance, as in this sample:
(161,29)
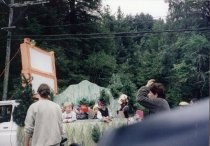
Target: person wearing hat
(103,113)
(123,108)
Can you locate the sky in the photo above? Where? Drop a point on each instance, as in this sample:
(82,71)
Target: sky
(157,8)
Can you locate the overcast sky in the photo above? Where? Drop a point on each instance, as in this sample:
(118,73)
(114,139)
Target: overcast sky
(157,8)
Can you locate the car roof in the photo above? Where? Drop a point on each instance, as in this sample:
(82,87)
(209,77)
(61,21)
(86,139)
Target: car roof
(5,102)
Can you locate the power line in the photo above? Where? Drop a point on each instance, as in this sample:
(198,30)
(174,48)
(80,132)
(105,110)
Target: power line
(85,38)
(78,24)
(9,62)
(117,33)
(52,26)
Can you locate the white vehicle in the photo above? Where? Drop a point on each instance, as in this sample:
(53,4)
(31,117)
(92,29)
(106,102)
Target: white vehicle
(8,128)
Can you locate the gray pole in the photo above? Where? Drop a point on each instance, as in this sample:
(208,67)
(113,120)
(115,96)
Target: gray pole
(8,52)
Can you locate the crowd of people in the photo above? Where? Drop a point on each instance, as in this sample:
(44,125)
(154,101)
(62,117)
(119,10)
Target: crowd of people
(151,96)
(44,120)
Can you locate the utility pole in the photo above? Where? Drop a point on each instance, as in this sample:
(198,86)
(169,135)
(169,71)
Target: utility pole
(8,52)
(9,35)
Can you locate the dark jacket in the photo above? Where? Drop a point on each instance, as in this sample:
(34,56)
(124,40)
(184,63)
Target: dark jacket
(153,105)
(104,113)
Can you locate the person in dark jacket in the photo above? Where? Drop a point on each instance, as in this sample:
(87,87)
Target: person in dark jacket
(187,126)
(152,97)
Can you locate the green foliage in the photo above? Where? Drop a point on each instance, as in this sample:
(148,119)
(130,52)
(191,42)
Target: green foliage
(89,103)
(23,96)
(96,133)
(121,84)
(105,96)
(115,86)
(180,60)
(100,67)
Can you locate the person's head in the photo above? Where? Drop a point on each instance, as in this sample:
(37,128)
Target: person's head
(68,107)
(156,90)
(150,82)
(83,109)
(44,91)
(95,108)
(102,104)
(123,99)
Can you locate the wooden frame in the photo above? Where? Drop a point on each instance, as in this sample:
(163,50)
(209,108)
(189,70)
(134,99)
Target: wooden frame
(44,66)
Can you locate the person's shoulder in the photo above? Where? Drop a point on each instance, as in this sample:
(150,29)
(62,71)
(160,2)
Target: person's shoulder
(32,106)
(162,102)
(143,88)
(51,103)
(55,104)
(35,104)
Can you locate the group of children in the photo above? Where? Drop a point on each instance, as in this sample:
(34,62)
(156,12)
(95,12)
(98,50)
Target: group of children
(99,111)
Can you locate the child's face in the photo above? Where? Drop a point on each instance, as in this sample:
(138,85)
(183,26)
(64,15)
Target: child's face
(96,110)
(123,101)
(68,109)
(103,107)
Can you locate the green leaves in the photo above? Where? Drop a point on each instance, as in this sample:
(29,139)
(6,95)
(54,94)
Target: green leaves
(23,96)
(96,133)
(100,67)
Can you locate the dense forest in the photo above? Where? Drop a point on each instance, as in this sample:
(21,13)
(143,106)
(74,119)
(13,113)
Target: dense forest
(118,51)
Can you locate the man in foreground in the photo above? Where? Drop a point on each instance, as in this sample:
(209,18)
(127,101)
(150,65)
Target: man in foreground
(43,123)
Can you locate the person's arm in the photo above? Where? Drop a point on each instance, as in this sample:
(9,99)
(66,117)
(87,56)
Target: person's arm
(26,141)
(142,98)
(99,115)
(60,117)
(74,117)
(64,117)
(29,126)
(110,113)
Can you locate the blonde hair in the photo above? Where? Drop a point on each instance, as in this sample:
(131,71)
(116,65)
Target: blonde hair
(68,104)
(95,107)
(123,97)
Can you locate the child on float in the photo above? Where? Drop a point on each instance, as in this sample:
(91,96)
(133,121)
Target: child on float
(103,113)
(69,115)
(123,109)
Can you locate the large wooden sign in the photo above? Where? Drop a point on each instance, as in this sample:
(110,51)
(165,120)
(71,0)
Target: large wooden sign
(39,65)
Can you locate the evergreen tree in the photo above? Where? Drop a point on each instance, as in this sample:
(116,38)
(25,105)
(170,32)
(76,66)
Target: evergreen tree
(23,96)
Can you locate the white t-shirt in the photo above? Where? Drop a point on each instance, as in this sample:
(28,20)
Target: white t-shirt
(69,117)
